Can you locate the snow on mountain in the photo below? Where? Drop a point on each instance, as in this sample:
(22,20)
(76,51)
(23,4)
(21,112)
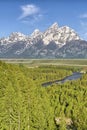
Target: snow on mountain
(4,41)
(48,35)
(36,33)
(17,36)
(14,37)
(60,35)
(54,42)
(52,29)
(36,36)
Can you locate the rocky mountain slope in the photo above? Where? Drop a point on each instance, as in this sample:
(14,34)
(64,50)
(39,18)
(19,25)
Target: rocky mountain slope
(55,42)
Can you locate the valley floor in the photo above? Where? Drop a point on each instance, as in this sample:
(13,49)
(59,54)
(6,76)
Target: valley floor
(38,62)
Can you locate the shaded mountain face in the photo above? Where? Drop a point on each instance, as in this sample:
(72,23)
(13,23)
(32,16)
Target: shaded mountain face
(55,42)
(73,49)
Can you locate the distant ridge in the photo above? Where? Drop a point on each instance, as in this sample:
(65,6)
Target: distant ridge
(55,42)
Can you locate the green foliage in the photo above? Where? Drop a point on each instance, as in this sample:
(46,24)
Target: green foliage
(26,105)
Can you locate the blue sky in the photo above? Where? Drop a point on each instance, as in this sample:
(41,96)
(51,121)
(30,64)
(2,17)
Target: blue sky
(26,15)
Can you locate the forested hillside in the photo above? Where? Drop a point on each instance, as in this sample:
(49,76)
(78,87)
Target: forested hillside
(26,105)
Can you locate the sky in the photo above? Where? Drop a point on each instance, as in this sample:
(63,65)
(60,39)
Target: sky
(27,15)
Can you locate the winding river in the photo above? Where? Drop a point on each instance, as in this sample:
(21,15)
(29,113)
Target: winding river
(74,76)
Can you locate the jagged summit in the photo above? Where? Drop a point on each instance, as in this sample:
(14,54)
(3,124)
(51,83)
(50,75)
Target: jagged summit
(60,35)
(36,33)
(54,26)
(67,29)
(54,42)
(17,36)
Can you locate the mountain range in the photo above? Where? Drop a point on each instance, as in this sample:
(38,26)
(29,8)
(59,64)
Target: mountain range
(55,42)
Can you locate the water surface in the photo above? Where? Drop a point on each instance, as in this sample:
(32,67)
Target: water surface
(74,76)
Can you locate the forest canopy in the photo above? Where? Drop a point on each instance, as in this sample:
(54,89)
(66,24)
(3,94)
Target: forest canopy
(26,105)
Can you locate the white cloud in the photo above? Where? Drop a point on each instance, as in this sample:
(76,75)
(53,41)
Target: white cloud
(29,10)
(83,16)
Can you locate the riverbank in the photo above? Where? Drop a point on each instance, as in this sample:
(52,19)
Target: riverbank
(74,76)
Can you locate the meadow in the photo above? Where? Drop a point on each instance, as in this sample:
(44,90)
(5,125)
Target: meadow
(38,62)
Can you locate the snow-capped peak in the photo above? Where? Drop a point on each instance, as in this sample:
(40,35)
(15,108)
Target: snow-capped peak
(36,33)
(60,35)
(49,33)
(16,36)
(54,42)
(36,36)
(54,26)
(68,34)
(66,29)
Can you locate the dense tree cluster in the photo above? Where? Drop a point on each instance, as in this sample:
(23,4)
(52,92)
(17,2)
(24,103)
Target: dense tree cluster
(26,105)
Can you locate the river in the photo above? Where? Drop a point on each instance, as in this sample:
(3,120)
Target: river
(74,76)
